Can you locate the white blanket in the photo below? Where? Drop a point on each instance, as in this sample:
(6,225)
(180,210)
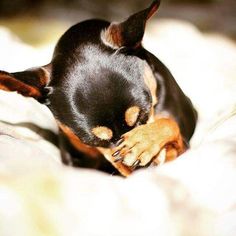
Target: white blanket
(194,195)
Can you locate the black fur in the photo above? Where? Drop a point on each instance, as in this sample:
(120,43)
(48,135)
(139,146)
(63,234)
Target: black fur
(93,85)
(93,82)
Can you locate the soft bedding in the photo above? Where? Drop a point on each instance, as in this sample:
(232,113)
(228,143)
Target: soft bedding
(194,195)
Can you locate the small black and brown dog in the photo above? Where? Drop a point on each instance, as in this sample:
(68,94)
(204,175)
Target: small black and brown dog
(110,97)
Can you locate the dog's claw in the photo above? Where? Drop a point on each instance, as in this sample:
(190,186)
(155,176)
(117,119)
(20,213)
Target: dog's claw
(115,154)
(119,142)
(136,163)
(119,159)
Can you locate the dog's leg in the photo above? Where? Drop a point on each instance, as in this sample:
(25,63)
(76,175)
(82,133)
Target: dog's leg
(142,144)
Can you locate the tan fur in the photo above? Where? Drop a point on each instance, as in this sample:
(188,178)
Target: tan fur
(112,37)
(76,142)
(94,152)
(151,83)
(131,115)
(45,76)
(145,143)
(123,169)
(102,133)
(9,83)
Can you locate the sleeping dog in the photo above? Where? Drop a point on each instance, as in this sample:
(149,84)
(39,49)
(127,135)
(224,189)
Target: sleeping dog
(112,99)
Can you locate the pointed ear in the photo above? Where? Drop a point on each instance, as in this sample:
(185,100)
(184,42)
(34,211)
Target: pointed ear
(129,33)
(29,83)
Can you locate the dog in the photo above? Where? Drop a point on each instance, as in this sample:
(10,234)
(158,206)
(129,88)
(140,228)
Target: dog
(112,99)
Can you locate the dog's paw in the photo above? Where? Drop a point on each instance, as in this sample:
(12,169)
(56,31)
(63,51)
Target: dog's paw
(138,148)
(143,144)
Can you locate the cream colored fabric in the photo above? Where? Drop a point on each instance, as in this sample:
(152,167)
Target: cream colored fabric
(194,195)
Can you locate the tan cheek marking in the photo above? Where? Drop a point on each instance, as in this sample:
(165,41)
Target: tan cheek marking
(102,132)
(131,115)
(76,142)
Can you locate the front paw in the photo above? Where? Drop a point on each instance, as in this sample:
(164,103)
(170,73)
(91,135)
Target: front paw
(137,148)
(143,144)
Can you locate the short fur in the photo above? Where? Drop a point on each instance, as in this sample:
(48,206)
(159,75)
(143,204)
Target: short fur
(96,74)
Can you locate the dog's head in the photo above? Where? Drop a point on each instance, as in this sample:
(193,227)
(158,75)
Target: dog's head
(95,83)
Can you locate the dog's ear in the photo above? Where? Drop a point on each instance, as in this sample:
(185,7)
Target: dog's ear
(29,83)
(129,33)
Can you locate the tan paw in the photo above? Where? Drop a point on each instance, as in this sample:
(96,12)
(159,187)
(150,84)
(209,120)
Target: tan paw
(139,146)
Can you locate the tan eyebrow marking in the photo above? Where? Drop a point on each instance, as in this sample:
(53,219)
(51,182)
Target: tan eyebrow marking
(102,132)
(131,115)
(151,83)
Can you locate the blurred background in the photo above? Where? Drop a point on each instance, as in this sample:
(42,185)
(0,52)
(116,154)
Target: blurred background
(42,21)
